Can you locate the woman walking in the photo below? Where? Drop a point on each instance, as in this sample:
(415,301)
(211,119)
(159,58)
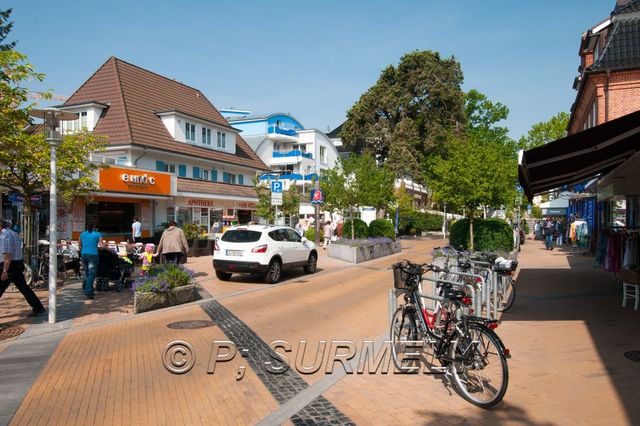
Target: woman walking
(173,244)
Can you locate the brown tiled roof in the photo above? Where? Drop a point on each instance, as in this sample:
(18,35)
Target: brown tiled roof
(215,188)
(135,95)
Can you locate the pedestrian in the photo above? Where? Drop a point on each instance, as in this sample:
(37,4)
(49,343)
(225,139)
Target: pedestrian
(300,228)
(147,259)
(13,267)
(549,229)
(90,242)
(560,231)
(537,231)
(136,230)
(328,232)
(339,227)
(173,244)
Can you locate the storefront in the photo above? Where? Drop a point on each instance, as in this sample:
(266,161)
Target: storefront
(212,213)
(125,193)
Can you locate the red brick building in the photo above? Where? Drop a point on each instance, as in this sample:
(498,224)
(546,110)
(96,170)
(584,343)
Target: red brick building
(609,82)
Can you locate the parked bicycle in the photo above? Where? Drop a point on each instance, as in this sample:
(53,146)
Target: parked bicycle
(468,350)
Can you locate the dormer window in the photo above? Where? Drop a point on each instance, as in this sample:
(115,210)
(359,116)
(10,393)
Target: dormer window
(76,125)
(222,142)
(206,136)
(189,131)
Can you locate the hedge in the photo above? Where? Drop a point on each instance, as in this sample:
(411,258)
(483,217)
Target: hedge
(488,235)
(382,228)
(310,234)
(361,228)
(419,221)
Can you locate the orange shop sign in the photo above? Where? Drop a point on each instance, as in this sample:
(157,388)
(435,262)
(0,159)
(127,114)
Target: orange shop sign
(135,181)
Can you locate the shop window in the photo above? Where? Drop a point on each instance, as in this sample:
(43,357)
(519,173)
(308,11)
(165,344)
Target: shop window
(171,214)
(111,218)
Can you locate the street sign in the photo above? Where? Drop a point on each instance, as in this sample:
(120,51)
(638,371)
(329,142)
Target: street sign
(317,196)
(276,186)
(276,198)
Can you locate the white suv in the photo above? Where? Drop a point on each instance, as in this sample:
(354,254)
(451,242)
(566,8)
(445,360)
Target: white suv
(262,249)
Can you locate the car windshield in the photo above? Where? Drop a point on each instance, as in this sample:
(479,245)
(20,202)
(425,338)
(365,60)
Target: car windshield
(241,236)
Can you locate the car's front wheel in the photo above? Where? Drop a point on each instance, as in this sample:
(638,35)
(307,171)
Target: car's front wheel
(274,271)
(223,276)
(312,264)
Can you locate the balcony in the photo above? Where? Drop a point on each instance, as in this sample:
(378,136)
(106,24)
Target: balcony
(291,157)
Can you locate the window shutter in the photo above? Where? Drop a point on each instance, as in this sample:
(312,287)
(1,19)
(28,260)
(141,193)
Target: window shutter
(214,175)
(225,177)
(160,166)
(196,172)
(182,170)
(240,179)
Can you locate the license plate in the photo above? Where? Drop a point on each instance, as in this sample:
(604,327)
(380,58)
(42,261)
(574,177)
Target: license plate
(234,252)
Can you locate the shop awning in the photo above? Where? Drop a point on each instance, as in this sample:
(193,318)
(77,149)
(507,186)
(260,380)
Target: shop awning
(580,156)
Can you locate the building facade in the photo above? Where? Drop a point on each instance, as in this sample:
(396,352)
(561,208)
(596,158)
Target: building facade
(294,154)
(171,155)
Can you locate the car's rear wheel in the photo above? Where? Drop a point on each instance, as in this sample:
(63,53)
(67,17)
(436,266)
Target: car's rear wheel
(312,264)
(274,271)
(223,276)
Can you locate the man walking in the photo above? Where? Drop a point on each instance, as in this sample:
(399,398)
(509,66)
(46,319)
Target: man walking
(13,267)
(136,230)
(90,240)
(549,229)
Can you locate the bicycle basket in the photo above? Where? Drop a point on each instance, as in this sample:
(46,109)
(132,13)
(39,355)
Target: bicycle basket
(403,278)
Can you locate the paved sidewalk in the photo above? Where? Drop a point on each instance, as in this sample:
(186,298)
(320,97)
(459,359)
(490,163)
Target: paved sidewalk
(567,333)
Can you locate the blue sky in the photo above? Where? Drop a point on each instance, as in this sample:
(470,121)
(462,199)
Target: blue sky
(314,59)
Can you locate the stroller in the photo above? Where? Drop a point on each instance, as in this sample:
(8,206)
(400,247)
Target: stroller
(112,267)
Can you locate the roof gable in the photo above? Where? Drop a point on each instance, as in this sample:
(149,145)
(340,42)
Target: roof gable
(134,95)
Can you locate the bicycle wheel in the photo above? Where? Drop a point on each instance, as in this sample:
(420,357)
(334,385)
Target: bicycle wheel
(403,330)
(28,275)
(506,293)
(480,372)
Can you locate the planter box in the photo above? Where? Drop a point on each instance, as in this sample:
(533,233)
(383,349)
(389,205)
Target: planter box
(198,248)
(364,253)
(143,302)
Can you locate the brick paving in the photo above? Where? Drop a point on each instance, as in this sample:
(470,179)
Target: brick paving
(567,333)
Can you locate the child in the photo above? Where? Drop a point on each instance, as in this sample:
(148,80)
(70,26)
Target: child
(147,258)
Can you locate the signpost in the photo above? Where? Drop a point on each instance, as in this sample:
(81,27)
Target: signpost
(276,197)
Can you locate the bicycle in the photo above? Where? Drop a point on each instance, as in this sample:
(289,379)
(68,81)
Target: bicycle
(504,270)
(468,349)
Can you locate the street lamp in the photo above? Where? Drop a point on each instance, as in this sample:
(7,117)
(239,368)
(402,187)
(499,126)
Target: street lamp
(53,135)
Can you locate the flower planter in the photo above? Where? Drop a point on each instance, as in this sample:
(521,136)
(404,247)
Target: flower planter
(148,301)
(365,252)
(198,248)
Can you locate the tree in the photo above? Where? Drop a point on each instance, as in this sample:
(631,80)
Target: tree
(545,132)
(25,165)
(290,201)
(5,28)
(358,181)
(479,167)
(408,113)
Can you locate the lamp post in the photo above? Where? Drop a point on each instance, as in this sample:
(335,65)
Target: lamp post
(53,135)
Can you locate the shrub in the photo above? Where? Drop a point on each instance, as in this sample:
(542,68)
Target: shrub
(382,228)
(191,231)
(420,221)
(361,229)
(488,235)
(525,228)
(310,234)
(163,278)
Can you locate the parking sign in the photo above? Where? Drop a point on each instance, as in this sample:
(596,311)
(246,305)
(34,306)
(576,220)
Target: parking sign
(276,186)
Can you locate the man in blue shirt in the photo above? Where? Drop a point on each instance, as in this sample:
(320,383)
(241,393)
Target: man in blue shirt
(90,241)
(13,267)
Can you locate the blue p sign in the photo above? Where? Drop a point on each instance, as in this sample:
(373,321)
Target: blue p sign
(276,186)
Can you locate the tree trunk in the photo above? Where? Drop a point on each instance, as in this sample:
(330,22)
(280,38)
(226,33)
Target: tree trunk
(471,247)
(353,226)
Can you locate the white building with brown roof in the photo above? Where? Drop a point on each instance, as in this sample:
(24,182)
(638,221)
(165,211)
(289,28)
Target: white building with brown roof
(172,156)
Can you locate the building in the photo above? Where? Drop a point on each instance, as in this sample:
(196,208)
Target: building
(294,154)
(602,143)
(172,155)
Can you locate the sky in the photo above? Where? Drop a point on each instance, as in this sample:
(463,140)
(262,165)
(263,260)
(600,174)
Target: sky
(314,59)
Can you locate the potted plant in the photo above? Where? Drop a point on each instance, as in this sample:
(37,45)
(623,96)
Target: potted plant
(164,285)
(197,238)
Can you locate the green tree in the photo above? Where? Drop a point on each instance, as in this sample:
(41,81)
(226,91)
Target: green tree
(479,167)
(358,181)
(290,201)
(545,132)
(25,165)
(5,28)
(408,113)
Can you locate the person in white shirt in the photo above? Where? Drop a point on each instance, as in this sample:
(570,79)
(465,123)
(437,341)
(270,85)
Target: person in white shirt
(136,230)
